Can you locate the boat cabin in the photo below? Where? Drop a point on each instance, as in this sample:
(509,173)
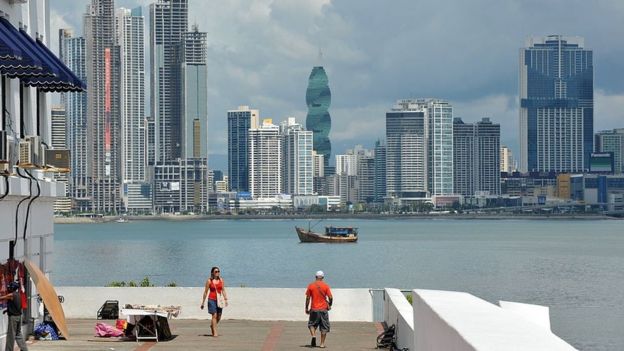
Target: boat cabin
(340,231)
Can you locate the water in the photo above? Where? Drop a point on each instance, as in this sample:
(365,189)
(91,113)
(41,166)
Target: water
(574,267)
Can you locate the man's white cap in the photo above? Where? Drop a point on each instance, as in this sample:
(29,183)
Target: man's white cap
(320,274)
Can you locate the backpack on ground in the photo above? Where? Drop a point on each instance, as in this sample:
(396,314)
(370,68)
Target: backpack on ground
(386,339)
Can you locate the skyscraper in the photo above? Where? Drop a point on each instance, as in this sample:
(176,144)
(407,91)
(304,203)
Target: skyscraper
(194,96)
(58,132)
(168,27)
(406,150)
(476,157)
(265,160)
(318,120)
(487,136)
(297,170)
(506,160)
(73,53)
(103,72)
(464,172)
(130,38)
(612,141)
(556,104)
(239,123)
(440,147)
(380,170)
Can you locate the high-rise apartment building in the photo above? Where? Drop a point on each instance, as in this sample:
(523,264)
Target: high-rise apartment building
(347,164)
(103,105)
(318,170)
(476,157)
(297,169)
(366,177)
(58,127)
(265,174)
(318,120)
(73,53)
(194,106)
(380,170)
(464,157)
(406,149)
(612,141)
(168,28)
(419,151)
(440,147)
(58,131)
(239,123)
(130,32)
(556,104)
(507,163)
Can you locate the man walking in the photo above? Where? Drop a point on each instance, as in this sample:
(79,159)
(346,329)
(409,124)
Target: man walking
(320,295)
(14,310)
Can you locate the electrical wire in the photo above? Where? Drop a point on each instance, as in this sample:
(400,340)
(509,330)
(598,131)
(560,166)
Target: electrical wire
(6,186)
(18,206)
(30,202)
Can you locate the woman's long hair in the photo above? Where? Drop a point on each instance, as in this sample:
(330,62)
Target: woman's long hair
(212,272)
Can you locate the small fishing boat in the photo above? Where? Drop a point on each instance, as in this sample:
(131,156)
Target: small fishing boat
(331,235)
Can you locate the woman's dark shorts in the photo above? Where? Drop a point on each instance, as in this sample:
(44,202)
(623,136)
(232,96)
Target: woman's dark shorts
(212,307)
(319,319)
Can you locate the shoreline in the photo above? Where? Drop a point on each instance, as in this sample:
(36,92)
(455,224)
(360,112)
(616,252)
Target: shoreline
(364,216)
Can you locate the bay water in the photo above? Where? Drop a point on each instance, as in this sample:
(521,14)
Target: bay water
(576,267)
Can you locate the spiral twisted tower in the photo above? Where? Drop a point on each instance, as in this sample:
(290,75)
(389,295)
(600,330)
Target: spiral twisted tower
(318,120)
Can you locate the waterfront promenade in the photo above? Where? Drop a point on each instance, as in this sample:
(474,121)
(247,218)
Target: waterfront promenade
(236,335)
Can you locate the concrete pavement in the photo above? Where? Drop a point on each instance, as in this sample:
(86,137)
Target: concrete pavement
(240,335)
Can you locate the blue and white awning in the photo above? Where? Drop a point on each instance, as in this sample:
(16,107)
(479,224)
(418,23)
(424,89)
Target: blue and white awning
(33,63)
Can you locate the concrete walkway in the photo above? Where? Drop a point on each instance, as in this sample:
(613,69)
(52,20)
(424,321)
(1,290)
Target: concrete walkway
(234,335)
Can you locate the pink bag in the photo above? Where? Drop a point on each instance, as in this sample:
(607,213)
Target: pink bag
(105,330)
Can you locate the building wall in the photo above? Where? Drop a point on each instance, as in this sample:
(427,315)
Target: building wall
(35,237)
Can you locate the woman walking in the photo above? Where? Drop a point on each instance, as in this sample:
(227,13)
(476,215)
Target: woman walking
(217,298)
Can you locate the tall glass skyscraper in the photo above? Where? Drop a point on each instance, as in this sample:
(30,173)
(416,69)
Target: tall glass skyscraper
(556,104)
(239,123)
(318,99)
(73,52)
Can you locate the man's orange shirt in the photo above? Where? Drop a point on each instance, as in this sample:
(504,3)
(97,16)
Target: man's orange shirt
(318,290)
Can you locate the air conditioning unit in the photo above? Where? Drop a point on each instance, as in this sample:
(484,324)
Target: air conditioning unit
(57,158)
(26,156)
(4,147)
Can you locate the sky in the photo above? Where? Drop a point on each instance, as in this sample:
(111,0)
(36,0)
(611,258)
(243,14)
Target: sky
(261,52)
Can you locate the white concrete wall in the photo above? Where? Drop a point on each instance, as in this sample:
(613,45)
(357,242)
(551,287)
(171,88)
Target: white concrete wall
(398,311)
(245,303)
(447,320)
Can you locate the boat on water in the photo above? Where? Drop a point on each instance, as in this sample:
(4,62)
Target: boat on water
(122,220)
(331,235)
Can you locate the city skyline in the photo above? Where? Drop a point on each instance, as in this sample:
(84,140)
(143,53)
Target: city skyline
(365,82)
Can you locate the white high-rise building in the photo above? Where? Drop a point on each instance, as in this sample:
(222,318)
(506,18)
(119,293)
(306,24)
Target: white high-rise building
(440,153)
(265,160)
(297,169)
(506,160)
(130,31)
(347,164)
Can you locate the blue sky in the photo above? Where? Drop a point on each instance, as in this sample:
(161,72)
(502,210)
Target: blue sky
(261,52)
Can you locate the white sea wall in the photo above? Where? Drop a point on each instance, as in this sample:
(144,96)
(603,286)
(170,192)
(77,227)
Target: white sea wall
(449,320)
(350,305)
(399,312)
